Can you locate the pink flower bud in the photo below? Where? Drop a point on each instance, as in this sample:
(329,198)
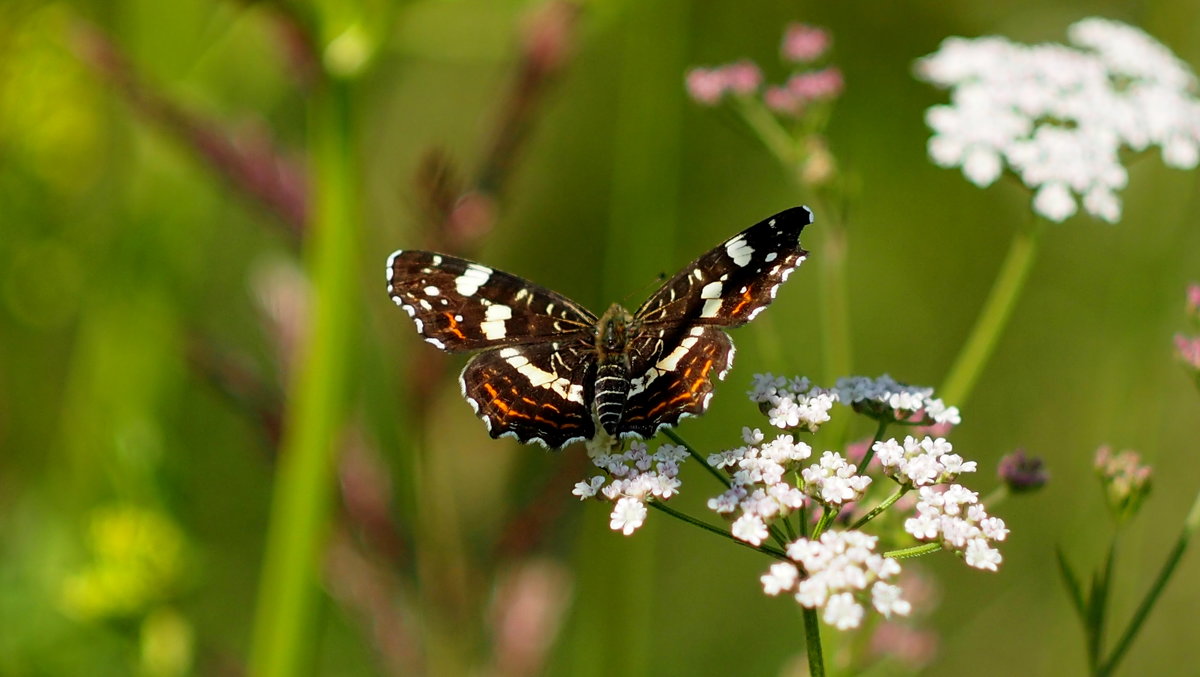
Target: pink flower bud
(803,43)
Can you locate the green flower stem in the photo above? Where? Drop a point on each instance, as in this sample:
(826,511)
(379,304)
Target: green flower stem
(880,431)
(914,551)
(812,642)
(887,503)
(834,300)
(698,458)
(996,497)
(777,535)
(765,549)
(826,518)
(284,638)
(994,317)
(767,128)
(1190,524)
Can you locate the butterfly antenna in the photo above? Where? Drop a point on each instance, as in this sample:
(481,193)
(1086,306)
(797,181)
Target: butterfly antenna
(645,290)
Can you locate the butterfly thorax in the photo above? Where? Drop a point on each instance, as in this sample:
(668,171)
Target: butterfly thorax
(612,369)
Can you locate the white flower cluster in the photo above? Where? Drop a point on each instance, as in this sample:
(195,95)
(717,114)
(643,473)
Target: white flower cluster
(1059,116)
(833,481)
(839,569)
(885,397)
(920,462)
(957,519)
(634,477)
(792,404)
(758,488)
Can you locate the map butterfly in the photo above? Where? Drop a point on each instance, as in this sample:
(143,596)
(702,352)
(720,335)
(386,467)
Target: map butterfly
(550,371)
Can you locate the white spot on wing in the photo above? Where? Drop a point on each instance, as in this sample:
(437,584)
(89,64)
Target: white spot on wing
(435,343)
(671,361)
(540,378)
(711,308)
(498,312)
(771,257)
(712,290)
(739,251)
(472,278)
(432,291)
(390,264)
(493,327)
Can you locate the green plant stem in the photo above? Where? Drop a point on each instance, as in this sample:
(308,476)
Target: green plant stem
(996,497)
(765,549)
(284,628)
(826,517)
(914,551)
(776,534)
(880,431)
(887,503)
(834,299)
(1190,524)
(697,457)
(812,642)
(767,128)
(994,317)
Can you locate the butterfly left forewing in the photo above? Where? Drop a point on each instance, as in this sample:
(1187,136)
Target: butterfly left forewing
(459,305)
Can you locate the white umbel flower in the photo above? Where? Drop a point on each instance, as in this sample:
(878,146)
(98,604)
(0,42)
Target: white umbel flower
(841,573)
(885,397)
(921,462)
(632,478)
(955,518)
(1058,116)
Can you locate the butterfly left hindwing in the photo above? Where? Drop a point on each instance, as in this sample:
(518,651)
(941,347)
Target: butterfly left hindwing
(536,392)
(550,371)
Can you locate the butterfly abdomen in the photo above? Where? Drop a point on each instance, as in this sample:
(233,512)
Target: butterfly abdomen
(612,387)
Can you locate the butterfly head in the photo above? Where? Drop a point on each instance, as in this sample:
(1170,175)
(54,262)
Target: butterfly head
(612,330)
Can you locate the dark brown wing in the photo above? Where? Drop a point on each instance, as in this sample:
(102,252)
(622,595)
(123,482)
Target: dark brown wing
(677,382)
(459,305)
(731,283)
(679,345)
(535,392)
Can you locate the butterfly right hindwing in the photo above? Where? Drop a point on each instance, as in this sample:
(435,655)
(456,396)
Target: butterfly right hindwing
(676,379)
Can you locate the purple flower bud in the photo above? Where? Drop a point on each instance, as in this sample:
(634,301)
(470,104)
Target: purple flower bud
(1022,473)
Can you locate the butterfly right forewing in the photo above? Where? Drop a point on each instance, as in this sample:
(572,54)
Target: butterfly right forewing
(732,282)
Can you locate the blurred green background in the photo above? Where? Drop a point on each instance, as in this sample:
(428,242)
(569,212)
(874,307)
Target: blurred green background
(148,299)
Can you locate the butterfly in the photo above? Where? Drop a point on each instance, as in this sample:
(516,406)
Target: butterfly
(550,371)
